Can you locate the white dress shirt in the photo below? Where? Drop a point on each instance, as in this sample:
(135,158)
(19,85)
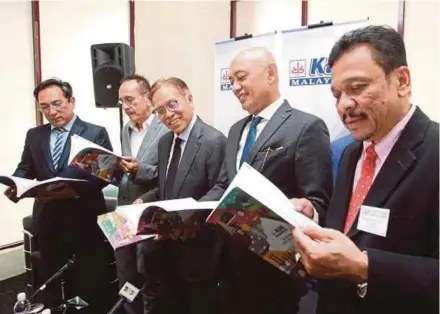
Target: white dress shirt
(266,114)
(184,136)
(137,136)
(384,147)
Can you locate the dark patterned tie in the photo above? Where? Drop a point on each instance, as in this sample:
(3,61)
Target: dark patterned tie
(172,169)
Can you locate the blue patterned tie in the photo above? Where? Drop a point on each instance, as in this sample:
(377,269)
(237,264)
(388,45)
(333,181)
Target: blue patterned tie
(58,147)
(250,139)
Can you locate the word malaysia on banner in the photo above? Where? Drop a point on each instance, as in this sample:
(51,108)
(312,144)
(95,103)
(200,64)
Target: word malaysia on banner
(227,108)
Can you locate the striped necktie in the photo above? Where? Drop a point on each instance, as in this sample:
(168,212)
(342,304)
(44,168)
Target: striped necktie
(58,147)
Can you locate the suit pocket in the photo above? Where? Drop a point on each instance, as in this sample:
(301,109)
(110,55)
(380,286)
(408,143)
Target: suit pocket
(268,153)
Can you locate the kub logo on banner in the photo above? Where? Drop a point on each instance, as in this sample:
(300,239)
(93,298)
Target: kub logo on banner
(313,71)
(225,83)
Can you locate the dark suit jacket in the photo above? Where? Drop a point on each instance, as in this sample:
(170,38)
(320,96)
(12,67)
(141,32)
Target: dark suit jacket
(299,165)
(36,163)
(403,266)
(197,173)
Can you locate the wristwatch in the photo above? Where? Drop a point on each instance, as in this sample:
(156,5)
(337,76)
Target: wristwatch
(362,287)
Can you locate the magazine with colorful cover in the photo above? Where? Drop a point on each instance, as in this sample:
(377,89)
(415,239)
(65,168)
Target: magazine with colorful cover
(118,231)
(95,160)
(164,217)
(258,216)
(54,188)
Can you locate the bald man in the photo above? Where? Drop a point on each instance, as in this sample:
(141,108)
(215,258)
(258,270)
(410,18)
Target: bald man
(289,147)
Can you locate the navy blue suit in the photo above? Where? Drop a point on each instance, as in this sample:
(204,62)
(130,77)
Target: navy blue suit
(68,226)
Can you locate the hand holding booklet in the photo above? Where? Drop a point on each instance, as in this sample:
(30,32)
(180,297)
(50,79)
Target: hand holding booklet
(258,216)
(133,223)
(54,188)
(95,160)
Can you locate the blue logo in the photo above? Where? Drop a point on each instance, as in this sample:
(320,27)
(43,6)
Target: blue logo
(314,71)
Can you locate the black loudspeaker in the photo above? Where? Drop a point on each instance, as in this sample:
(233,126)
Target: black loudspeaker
(110,63)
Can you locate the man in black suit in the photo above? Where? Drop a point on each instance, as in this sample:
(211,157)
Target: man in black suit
(190,158)
(290,148)
(64,227)
(381,253)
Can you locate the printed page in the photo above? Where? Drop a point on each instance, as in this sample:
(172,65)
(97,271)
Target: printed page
(79,143)
(255,184)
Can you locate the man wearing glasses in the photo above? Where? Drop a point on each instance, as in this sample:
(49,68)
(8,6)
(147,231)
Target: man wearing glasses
(190,158)
(66,227)
(140,137)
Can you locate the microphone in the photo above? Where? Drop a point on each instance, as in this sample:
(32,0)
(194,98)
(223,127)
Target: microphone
(127,293)
(66,266)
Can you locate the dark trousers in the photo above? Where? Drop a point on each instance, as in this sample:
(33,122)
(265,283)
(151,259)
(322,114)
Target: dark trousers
(250,285)
(62,232)
(189,276)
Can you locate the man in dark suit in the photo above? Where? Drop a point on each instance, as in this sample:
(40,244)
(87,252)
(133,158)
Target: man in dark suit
(290,148)
(381,253)
(65,227)
(190,158)
(140,138)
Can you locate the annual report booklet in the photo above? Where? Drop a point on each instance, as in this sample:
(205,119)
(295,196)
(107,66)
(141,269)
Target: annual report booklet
(258,216)
(133,223)
(95,160)
(54,188)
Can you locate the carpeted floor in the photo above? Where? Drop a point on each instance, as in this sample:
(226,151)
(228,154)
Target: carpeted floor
(9,288)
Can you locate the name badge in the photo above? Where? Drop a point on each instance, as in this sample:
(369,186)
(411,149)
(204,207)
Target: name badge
(374,220)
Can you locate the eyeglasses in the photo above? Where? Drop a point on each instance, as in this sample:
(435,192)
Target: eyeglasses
(56,105)
(129,100)
(171,106)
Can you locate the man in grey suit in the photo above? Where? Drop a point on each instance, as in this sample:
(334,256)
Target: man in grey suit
(190,158)
(291,149)
(140,137)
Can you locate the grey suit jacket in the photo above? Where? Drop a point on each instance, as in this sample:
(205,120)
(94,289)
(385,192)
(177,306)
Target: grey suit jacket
(197,173)
(132,186)
(292,151)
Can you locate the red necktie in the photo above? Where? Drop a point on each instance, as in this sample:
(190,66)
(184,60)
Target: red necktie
(362,187)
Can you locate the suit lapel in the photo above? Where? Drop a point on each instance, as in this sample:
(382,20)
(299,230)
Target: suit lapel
(77,128)
(232,150)
(125,145)
(271,127)
(189,154)
(152,133)
(397,164)
(46,147)
(164,155)
(344,186)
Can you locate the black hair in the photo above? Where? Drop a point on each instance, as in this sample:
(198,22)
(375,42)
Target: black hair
(388,48)
(65,87)
(144,84)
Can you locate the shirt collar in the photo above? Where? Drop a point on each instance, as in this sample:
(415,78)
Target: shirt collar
(145,124)
(68,126)
(386,144)
(185,134)
(270,110)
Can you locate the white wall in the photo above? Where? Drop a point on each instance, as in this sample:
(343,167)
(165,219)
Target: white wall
(176,38)
(17,107)
(422,38)
(68,29)
(257,17)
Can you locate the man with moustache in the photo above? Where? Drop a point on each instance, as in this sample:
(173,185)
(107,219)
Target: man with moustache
(66,227)
(380,253)
(290,148)
(190,158)
(140,137)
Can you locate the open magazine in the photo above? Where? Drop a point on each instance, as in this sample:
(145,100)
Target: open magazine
(54,188)
(95,160)
(257,215)
(133,223)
